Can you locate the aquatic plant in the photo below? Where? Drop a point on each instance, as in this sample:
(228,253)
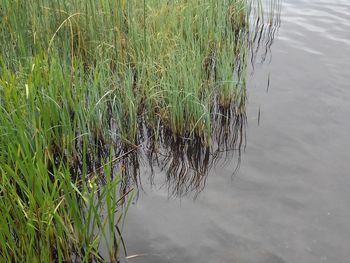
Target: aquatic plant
(82,85)
(167,60)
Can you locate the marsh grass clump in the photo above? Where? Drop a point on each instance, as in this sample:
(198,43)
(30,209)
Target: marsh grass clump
(82,84)
(169,60)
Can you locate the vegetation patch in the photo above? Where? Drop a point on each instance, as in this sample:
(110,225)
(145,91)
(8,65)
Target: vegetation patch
(82,85)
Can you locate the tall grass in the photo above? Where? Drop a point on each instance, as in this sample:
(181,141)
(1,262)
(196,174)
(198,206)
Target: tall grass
(167,59)
(77,77)
(48,214)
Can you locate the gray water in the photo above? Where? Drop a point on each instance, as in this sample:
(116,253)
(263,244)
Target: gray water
(290,199)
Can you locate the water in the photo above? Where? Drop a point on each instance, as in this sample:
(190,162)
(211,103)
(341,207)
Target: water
(290,200)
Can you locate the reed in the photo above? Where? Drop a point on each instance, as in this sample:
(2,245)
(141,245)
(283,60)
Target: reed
(82,79)
(167,60)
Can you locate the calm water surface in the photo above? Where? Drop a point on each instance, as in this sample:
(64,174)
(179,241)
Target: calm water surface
(290,200)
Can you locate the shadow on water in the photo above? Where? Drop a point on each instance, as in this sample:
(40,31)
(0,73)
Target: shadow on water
(186,162)
(262,34)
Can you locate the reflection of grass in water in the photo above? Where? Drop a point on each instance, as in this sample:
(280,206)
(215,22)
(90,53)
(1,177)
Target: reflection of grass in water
(76,78)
